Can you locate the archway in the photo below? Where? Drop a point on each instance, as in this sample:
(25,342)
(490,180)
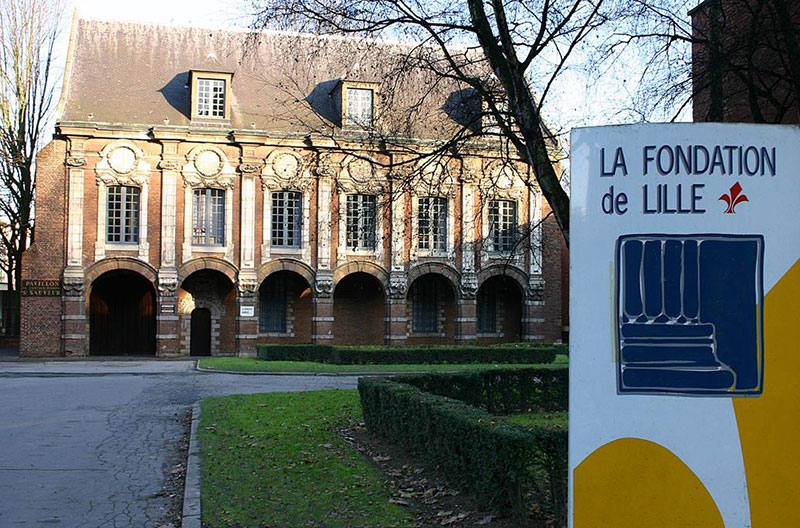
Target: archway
(499,310)
(122,314)
(285,308)
(431,309)
(213,291)
(359,308)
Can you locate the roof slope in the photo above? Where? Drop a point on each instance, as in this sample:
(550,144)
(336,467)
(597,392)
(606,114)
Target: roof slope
(135,74)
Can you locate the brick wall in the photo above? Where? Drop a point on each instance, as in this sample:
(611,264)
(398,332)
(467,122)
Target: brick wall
(40,322)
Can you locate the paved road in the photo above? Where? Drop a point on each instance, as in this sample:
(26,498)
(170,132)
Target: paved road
(89,443)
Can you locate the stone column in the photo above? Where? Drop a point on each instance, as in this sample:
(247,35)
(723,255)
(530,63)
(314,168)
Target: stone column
(467,317)
(322,322)
(246,319)
(168,320)
(74,333)
(396,320)
(533,311)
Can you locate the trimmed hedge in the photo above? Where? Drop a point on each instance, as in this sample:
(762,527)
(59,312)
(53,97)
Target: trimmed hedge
(501,462)
(430,354)
(502,391)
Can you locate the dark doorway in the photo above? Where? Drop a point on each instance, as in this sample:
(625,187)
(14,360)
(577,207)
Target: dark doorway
(359,309)
(201,332)
(122,315)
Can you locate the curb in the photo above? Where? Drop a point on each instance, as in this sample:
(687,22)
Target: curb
(331,374)
(191,517)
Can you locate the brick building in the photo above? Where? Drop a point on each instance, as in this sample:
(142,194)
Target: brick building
(742,51)
(197,200)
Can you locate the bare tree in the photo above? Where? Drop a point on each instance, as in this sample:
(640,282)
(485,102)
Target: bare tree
(505,54)
(28,31)
(736,60)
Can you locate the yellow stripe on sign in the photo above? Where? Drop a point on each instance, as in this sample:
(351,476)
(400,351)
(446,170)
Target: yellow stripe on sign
(769,426)
(635,483)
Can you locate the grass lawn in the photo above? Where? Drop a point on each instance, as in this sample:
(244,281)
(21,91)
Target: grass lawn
(277,460)
(256,365)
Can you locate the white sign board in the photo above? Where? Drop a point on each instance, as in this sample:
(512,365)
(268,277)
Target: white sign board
(685,317)
(247,311)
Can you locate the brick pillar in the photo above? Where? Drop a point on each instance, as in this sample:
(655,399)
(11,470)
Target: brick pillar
(467,318)
(533,311)
(246,319)
(322,322)
(74,335)
(396,320)
(167,319)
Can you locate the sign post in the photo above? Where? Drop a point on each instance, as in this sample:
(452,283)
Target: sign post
(685,326)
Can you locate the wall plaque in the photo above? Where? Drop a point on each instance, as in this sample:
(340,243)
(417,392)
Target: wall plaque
(41,288)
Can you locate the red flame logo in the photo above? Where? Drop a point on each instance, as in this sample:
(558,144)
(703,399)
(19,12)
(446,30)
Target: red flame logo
(733,198)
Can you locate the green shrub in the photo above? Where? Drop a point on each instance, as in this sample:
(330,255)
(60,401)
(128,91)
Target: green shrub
(422,354)
(501,462)
(502,391)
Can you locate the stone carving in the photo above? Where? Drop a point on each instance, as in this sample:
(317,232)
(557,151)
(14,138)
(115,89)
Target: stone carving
(167,286)
(75,161)
(398,285)
(360,170)
(208,166)
(122,159)
(285,166)
(169,165)
(469,286)
(73,286)
(208,163)
(323,287)
(284,170)
(247,287)
(108,178)
(249,168)
(535,291)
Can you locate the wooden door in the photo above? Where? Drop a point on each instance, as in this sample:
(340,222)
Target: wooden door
(201,332)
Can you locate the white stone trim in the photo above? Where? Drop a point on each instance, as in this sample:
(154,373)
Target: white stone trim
(535,216)
(75,219)
(247,230)
(169,209)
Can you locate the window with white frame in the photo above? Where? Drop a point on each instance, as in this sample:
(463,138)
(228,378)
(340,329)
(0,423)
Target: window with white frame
(360,106)
(487,311)
(122,224)
(208,217)
(502,225)
(211,98)
(361,209)
(432,223)
(425,305)
(272,306)
(287,218)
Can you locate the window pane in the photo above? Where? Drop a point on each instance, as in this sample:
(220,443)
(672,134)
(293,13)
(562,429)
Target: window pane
(359,106)
(361,209)
(502,224)
(114,215)
(217,227)
(211,97)
(433,223)
(425,305)
(286,218)
(208,217)
(272,308)
(487,311)
(131,235)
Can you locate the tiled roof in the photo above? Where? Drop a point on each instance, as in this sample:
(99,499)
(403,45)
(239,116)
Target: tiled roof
(135,74)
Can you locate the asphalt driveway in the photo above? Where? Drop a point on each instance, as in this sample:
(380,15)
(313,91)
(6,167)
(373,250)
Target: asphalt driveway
(91,443)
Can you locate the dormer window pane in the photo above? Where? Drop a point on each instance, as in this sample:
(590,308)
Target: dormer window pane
(359,106)
(211,98)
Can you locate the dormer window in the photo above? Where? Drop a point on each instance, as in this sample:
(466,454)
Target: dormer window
(355,103)
(210,97)
(359,106)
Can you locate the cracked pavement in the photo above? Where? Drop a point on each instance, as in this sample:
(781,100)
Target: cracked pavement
(89,444)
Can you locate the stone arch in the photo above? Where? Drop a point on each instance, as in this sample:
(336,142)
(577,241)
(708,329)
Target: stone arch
(288,264)
(512,272)
(125,263)
(439,268)
(363,266)
(213,263)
